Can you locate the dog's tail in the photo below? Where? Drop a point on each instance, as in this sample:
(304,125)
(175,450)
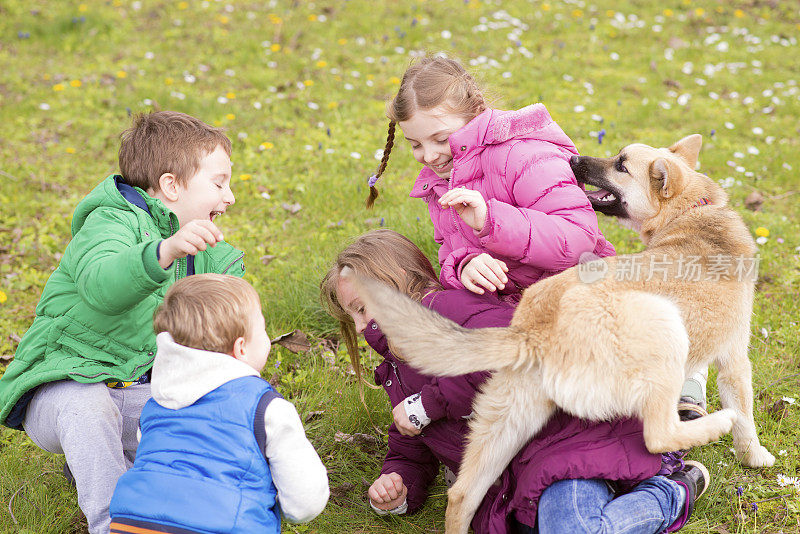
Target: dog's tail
(436,345)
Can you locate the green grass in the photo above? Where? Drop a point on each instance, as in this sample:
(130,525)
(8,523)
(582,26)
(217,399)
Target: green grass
(653,71)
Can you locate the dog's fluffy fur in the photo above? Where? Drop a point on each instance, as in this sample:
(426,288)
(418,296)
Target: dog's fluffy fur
(617,346)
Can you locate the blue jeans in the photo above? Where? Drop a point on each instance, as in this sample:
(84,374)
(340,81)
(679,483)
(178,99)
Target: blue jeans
(589,506)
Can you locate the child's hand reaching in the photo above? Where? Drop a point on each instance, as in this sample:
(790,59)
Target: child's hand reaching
(193,237)
(469,205)
(401,421)
(484,271)
(388,492)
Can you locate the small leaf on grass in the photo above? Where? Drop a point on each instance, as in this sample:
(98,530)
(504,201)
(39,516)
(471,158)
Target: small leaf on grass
(753,201)
(779,409)
(267,259)
(310,416)
(294,341)
(6,357)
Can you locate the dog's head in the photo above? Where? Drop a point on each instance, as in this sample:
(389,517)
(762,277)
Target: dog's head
(639,182)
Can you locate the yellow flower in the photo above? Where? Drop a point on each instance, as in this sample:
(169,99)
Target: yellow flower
(266,145)
(183,5)
(699,11)
(122,74)
(58,87)
(83,8)
(342,41)
(394,80)
(230,95)
(75,83)
(275,48)
(322,64)
(116,3)
(245,177)
(612,34)
(333,105)
(46,76)
(577,13)
(739,14)
(312,18)
(687,2)
(545,7)
(275,19)
(217,123)
(668,13)
(168,81)
(70,150)
(223,19)
(308,83)
(719,9)
(3,297)
(610,13)
(230,116)
(762,232)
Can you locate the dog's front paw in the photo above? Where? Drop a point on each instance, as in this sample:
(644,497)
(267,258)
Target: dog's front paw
(757,456)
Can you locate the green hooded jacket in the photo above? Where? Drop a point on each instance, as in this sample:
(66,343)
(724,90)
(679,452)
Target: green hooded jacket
(94,322)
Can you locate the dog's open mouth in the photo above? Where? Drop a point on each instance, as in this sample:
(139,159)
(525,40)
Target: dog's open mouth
(600,196)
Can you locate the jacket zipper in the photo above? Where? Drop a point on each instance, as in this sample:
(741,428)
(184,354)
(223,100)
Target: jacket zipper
(397,376)
(452,210)
(135,371)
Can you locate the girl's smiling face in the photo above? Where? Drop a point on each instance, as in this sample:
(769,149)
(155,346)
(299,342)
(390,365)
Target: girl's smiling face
(428,132)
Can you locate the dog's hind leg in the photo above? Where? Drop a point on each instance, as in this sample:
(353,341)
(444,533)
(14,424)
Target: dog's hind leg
(734,381)
(509,411)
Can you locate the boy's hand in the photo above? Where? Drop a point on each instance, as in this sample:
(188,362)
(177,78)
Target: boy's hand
(401,421)
(388,492)
(484,271)
(469,205)
(193,237)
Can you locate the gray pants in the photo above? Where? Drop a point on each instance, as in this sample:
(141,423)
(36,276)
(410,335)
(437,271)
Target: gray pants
(95,428)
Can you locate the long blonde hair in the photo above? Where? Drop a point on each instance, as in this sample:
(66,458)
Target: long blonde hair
(429,82)
(386,256)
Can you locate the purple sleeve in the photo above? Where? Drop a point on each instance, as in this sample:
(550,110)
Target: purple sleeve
(451,397)
(410,458)
(552,223)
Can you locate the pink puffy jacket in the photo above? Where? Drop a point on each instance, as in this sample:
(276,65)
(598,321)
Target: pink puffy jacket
(539,220)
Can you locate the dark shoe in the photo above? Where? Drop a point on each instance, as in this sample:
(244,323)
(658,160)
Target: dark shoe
(68,475)
(689,410)
(695,478)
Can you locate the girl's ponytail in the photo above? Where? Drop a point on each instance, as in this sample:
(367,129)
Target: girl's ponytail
(373,191)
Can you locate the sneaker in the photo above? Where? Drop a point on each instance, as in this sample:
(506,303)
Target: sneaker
(695,478)
(672,462)
(689,410)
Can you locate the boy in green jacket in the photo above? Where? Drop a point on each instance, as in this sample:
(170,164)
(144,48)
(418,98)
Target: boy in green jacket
(80,376)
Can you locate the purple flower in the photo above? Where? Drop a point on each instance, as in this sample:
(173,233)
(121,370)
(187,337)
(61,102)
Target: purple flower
(739,491)
(713,132)
(372,180)
(600,135)
(754,506)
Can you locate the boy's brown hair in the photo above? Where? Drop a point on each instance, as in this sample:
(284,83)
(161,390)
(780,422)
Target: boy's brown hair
(207,311)
(166,142)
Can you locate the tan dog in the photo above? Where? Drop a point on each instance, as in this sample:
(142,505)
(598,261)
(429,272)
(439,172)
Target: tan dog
(607,338)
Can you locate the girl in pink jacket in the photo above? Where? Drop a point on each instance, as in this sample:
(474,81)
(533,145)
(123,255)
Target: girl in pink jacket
(505,205)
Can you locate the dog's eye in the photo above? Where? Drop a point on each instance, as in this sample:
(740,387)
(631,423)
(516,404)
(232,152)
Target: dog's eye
(620,166)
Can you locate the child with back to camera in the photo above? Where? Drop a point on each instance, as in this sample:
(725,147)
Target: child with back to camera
(504,202)
(221,450)
(80,375)
(573,474)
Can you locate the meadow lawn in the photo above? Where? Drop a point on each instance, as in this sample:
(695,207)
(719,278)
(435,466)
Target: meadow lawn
(300,88)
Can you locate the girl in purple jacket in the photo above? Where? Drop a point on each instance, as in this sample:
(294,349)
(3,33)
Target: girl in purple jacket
(573,474)
(505,205)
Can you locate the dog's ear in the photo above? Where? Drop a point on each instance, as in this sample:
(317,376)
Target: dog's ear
(667,177)
(688,149)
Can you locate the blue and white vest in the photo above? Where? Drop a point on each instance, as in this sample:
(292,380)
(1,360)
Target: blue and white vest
(202,467)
